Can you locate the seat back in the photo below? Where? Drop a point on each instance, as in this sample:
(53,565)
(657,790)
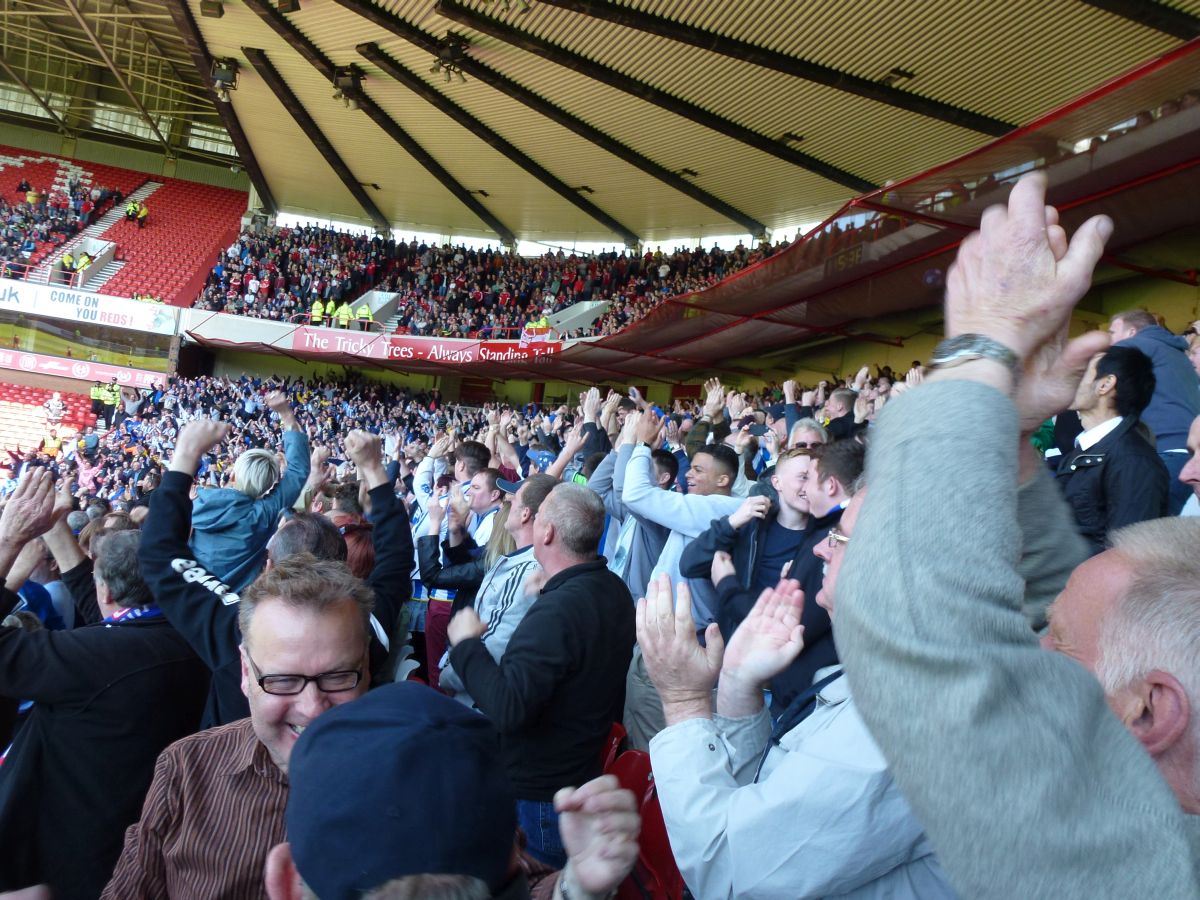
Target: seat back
(655,876)
(612,747)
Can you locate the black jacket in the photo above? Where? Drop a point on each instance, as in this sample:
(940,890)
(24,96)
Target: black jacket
(735,600)
(462,572)
(561,683)
(206,612)
(108,700)
(1113,483)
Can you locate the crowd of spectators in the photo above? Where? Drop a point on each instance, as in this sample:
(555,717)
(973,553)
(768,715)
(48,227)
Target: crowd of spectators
(361,642)
(46,219)
(280,273)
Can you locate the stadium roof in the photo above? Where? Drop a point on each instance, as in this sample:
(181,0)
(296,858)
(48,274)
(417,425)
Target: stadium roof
(586,119)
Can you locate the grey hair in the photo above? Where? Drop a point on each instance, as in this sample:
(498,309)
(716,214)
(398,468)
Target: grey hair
(116,566)
(577,514)
(425,887)
(808,425)
(1156,623)
(255,472)
(77,520)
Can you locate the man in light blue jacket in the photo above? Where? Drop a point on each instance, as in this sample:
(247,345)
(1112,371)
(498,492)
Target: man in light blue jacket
(806,808)
(231,526)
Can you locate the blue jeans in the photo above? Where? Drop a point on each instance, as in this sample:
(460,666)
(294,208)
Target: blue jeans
(539,821)
(1177,491)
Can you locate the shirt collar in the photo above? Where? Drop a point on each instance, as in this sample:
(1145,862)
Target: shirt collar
(251,753)
(572,571)
(1097,433)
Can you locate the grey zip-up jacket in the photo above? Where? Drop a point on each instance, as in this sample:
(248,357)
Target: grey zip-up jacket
(649,537)
(501,604)
(1025,781)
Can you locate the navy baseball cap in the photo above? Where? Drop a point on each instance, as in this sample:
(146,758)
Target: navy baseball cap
(402,781)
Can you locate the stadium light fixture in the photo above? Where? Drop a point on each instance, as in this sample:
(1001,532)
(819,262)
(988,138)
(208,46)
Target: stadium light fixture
(452,52)
(224,74)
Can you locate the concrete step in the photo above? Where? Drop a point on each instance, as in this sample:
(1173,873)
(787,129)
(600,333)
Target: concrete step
(110,269)
(41,274)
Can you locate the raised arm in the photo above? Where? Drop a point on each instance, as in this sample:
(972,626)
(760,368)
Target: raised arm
(196,602)
(937,649)
(295,449)
(391,536)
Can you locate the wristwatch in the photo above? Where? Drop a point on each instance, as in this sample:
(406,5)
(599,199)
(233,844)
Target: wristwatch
(966,347)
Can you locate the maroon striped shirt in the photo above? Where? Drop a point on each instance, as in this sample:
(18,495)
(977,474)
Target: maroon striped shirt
(213,812)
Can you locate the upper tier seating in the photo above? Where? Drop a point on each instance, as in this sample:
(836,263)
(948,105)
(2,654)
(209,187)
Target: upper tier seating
(188,224)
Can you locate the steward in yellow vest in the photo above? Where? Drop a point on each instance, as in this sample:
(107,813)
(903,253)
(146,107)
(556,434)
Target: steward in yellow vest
(344,315)
(317,316)
(364,316)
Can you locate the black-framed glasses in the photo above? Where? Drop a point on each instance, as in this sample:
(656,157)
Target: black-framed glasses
(806,445)
(836,537)
(290,685)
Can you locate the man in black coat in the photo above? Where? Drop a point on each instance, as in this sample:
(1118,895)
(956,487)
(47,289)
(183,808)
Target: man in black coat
(1114,477)
(560,685)
(108,696)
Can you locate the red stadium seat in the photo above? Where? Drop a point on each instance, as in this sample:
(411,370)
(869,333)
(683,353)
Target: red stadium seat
(612,747)
(655,875)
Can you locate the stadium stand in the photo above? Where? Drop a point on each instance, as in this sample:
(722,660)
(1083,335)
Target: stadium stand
(23,416)
(157,260)
(151,260)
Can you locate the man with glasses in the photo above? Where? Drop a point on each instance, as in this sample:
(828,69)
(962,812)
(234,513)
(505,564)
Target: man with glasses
(804,807)
(215,807)
(205,610)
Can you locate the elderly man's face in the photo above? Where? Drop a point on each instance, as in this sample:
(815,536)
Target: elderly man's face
(1078,612)
(284,640)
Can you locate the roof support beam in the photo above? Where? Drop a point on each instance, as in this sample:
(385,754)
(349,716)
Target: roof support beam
(202,61)
(431,95)
(781,62)
(1159,16)
(117,74)
(296,109)
(306,48)
(522,94)
(452,9)
(28,88)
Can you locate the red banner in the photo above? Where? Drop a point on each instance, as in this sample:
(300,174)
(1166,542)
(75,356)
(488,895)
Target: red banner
(401,348)
(79,369)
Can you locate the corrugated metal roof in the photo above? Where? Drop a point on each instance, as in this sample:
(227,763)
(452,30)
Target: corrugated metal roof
(1011,62)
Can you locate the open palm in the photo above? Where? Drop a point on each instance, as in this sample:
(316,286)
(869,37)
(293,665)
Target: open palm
(770,637)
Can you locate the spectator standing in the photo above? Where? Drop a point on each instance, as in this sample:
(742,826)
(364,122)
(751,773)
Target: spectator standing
(119,688)
(558,687)
(941,655)
(1176,399)
(233,524)
(1115,477)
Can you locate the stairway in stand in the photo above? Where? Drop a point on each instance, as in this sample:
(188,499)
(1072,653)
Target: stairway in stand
(41,275)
